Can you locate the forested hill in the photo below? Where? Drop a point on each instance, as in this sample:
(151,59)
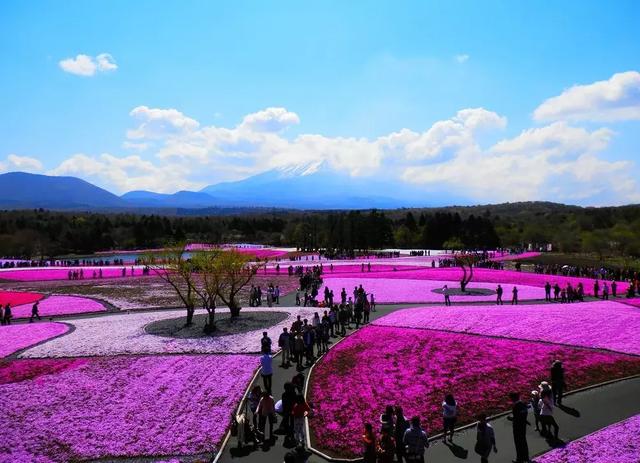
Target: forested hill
(605,230)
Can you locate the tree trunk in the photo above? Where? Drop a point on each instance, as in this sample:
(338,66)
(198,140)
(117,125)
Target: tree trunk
(190,312)
(234,308)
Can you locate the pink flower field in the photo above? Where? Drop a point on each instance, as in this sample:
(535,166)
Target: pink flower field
(415,368)
(17,298)
(347,268)
(62,273)
(416,291)
(601,324)
(504,277)
(616,443)
(60,305)
(120,407)
(16,337)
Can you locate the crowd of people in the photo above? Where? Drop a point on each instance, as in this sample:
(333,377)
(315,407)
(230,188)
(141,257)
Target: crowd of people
(272,295)
(79,274)
(402,440)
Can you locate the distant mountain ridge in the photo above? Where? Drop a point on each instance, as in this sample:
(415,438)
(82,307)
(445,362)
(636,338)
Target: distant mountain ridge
(20,190)
(304,186)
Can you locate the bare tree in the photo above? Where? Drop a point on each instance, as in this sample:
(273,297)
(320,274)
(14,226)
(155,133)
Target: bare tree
(177,271)
(466,262)
(234,271)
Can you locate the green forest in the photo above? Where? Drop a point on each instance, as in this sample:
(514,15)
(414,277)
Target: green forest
(605,232)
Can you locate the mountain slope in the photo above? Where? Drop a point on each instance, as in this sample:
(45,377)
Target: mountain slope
(315,186)
(23,190)
(183,199)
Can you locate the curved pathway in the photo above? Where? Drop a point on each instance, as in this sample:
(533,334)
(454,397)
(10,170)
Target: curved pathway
(584,412)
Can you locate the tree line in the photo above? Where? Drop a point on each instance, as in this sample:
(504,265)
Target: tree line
(603,231)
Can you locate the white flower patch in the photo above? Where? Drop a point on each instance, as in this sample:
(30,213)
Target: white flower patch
(124,334)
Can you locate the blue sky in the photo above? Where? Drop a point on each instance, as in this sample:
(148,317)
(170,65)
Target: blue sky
(349,77)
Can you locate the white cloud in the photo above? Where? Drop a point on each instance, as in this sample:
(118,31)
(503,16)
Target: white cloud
(23,163)
(615,99)
(462,58)
(159,123)
(270,120)
(558,162)
(87,66)
(127,173)
(106,62)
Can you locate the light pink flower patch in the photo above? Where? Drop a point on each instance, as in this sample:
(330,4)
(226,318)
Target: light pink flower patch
(416,368)
(616,443)
(416,291)
(123,407)
(60,305)
(508,277)
(16,337)
(601,324)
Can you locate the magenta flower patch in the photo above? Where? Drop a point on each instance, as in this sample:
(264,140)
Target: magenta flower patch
(62,273)
(16,337)
(123,407)
(601,324)
(416,291)
(415,368)
(60,305)
(616,443)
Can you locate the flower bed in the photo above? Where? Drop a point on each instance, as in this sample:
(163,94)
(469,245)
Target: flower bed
(123,407)
(62,273)
(416,291)
(504,277)
(16,337)
(635,302)
(125,334)
(60,305)
(17,298)
(601,324)
(415,368)
(616,443)
(346,268)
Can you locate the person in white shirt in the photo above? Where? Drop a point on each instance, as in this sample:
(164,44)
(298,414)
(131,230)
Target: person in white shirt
(546,414)
(449,416)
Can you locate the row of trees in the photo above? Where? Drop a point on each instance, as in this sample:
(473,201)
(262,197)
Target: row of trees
(603,231)
(203,279)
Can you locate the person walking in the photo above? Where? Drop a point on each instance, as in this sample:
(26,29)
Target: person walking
(558,385)
(485,439)
(266,362)
(547,292)
(514,298)
(35,313)
(449,417)
(546,415)
(7,314)
(447,297)
(368,444)
(284,343)
(265,343)
(519,420)
(415,441)
(300,411)
(386,447)
(499,292)
(401,427)
(253,400)
(288,398)
(266,413)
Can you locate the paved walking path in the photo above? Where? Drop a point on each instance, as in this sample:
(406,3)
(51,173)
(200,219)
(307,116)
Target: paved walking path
(595,408)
